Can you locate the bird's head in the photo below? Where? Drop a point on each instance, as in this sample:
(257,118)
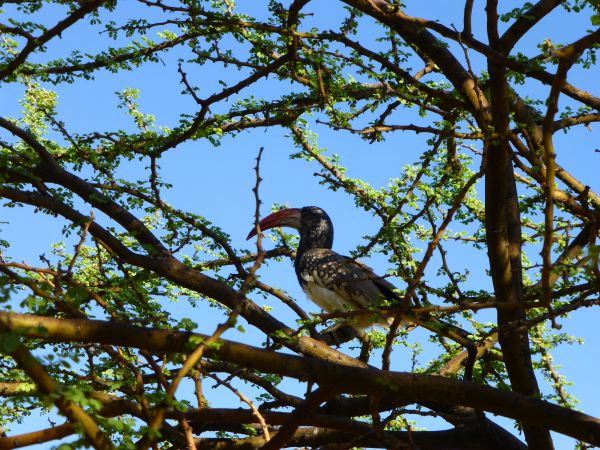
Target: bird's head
(311,222)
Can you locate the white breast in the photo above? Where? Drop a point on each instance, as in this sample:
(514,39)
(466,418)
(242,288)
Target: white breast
(331,302)
(325,298)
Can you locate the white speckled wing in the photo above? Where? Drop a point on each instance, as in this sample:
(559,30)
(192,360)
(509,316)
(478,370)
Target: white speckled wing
(337,283)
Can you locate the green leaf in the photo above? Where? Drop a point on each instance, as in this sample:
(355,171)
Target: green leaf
(9,342)
(78,294)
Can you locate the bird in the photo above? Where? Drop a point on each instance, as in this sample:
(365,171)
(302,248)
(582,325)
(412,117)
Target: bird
(339,284)
(336,283)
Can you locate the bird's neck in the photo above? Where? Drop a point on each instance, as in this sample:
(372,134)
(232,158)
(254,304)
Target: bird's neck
(316,237)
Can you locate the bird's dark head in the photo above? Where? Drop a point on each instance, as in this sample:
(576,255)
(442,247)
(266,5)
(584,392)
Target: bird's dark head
(316,229)
(313,224)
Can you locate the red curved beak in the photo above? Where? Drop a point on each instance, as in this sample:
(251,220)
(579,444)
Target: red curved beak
(284,218)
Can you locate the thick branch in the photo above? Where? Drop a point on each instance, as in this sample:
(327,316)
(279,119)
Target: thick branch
(413,387)
(503,236)
(526,21)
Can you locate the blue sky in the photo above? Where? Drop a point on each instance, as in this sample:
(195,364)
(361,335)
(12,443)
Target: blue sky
(217,182)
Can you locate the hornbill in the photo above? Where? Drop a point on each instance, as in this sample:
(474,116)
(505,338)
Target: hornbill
(334,282)
(338,283)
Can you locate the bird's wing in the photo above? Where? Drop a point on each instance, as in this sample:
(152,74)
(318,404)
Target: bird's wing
(354,283)
(387,289)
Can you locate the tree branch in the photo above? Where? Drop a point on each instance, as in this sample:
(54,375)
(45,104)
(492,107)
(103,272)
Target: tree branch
(414,387)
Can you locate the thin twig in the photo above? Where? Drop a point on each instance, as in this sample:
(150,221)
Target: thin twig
(84,231)
(247,401)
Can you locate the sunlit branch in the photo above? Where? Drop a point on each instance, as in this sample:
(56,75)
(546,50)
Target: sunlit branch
(349,379)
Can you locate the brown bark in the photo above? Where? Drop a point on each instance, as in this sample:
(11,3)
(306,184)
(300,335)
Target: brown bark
(503,236)
(409,386)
